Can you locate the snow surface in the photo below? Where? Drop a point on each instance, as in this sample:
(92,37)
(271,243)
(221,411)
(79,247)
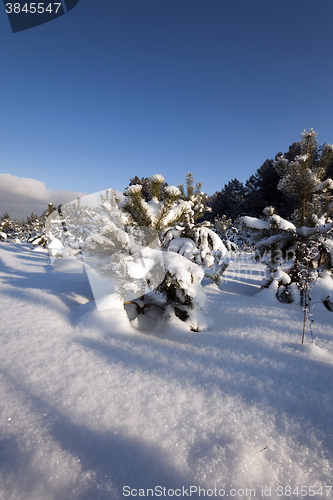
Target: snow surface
(90,403)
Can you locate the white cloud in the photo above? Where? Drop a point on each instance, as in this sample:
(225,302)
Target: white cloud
(20,196)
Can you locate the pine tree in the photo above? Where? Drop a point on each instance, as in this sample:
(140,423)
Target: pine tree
(163,210)
(33,230)
(11,229)
(309,251)
(70,224)
(197,198)
(122,244)
(139,265)
(5,227)
(262,191)
(147,186)
(126,255)
(303,178)
(223,226)
(194,238)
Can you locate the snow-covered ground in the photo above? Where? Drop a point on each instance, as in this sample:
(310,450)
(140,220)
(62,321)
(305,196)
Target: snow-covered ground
(93,408)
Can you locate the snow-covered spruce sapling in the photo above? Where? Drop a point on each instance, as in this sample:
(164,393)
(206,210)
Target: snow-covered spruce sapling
(204,247)
(146,183)
(31,230)
(130,256)
(307,278)
(66,229)
(279,240)
(238,237)
(275,241)
(182,289)
(306,281)
(223,227)
(34,228)
(163,210)
(12,229)
(41,238)
(194,238)
(5,227)
(196,207)
(303,177)
(197,199)
(181,284)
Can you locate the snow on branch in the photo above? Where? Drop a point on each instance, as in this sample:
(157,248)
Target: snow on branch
(255,223)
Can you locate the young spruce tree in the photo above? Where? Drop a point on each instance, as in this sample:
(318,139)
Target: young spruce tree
(308,239)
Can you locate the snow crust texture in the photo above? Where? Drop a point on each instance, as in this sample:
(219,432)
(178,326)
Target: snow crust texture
(90,404)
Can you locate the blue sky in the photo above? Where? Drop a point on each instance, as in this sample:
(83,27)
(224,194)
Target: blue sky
(115,89)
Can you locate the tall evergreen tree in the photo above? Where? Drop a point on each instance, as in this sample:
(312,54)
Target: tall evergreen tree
(229,202)
(262,191)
